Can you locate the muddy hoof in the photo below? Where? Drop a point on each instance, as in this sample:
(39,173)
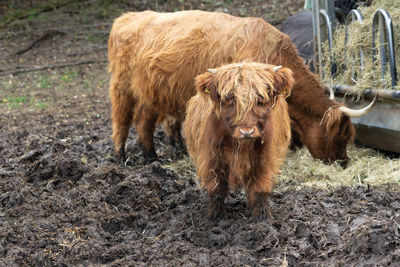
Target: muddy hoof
(149,155)
(215,214)
(216,208)
(263,214)
(120,156)
(262,210)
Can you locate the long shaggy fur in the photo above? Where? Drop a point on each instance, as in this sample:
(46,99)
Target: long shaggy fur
(154,58)
(221,159)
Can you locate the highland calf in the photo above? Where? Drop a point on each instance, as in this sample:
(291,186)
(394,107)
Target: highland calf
(154,58)
(237,131)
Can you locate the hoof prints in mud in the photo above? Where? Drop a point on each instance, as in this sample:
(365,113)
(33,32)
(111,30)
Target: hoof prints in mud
(65,204)
(64,201)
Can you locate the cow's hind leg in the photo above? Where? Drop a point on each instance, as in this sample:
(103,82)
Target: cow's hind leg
(172,129)
(145,121)
(121,115)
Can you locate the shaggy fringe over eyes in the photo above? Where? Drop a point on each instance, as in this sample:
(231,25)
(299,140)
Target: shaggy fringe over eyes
(333,125)
(235,82)
(332,120)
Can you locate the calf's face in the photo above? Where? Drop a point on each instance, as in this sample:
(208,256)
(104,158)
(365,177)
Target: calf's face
(244,95)
(251,126)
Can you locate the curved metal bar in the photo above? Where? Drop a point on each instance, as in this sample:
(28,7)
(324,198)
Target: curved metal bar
(353,15)
(328,29)
(368,93)
(382,19)
(328,26)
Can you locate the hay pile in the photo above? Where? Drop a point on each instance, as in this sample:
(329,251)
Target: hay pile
(347,57)
(367,167)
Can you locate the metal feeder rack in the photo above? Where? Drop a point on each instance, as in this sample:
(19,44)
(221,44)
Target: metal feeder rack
(380,128)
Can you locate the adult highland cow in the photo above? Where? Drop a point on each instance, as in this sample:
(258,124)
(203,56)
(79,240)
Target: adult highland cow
(154,58)
(237,130)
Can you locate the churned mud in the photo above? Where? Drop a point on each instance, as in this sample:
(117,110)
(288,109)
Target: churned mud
(64,201)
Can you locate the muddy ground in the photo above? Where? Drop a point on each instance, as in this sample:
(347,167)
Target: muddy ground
(64,201)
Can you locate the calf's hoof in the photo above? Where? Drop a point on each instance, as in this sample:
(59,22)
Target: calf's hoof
(120,155)
(149,155)
(216,208)
(262,211)
(263,214)
(216,214)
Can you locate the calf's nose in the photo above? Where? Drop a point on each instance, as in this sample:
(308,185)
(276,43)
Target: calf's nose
(246,133)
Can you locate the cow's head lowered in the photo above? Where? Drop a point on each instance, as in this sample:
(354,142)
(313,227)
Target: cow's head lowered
(243,95)
(327,130)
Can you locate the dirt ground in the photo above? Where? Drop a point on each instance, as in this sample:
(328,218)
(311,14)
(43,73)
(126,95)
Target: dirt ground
(64,201)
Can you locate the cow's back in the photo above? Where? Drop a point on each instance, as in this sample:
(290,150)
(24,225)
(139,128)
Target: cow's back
(163,52)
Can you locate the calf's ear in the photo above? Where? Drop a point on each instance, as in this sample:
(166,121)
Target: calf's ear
(207,84)
(283,81)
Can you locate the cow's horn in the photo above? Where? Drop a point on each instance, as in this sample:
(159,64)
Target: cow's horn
(357,112)
(277,68)
(212,71)
(331,93)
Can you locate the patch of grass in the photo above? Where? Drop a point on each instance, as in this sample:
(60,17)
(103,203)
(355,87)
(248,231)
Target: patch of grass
(15,101)
(95,38)
(32,12)
(85,84)
(32,15)
(7,85)
(84,17)
(68,75)
(42,18)
(41,105)
(44,82)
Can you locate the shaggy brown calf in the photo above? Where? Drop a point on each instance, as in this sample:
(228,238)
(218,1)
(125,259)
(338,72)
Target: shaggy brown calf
(237,130)
(154,58)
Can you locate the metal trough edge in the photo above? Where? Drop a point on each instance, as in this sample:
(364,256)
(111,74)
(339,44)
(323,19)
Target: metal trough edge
(368,93)
(379,128)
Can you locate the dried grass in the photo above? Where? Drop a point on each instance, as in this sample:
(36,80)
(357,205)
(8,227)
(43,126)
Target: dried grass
(367,167)
(360,36)
(184,167)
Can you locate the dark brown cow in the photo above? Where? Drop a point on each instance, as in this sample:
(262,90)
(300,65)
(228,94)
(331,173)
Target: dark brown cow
(237,130)
(154,58)
(299,28)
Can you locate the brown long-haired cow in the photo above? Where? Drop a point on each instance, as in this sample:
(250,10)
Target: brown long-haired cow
(154,58)
(237,130)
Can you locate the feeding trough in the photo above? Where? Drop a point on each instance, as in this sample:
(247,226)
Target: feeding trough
(358,60)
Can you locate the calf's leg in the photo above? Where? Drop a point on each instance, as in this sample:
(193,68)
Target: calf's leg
(217,194)
(258,199)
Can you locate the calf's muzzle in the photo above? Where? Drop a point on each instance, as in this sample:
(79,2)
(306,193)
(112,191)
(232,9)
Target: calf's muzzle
(242,132)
